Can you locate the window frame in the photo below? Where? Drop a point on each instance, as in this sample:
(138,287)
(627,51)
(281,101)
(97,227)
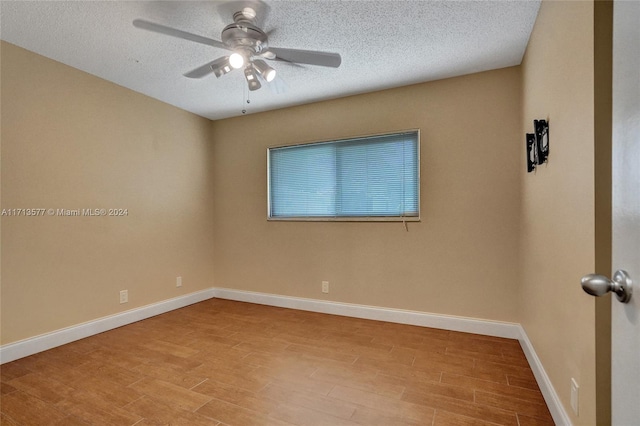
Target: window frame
(416,218)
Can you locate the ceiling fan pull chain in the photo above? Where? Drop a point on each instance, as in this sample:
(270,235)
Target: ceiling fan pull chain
(245,95)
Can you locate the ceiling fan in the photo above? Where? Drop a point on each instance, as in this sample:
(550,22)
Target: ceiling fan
(249,47)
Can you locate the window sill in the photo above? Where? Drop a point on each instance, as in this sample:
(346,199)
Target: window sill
(345,219)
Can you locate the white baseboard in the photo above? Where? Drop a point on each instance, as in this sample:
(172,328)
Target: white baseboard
(559,414)
(63,336)
(446,322)
(51,340)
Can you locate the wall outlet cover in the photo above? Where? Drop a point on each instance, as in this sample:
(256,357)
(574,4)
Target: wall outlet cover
(574,395)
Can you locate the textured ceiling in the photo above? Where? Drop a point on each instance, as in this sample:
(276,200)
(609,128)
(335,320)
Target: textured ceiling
(383,44)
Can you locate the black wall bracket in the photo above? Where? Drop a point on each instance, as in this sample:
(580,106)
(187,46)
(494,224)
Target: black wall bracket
(537,145)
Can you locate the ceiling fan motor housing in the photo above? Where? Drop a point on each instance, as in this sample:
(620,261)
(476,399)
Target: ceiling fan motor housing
(244,35)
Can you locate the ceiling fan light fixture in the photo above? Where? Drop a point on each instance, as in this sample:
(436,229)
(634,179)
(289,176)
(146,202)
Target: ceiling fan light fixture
(219,72)
(252,78)
(221,68)
(236,60)
(264,70)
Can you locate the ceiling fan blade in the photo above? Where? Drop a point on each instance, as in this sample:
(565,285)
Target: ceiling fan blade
(208,68)
(310,57)
(162,29)
(267,54)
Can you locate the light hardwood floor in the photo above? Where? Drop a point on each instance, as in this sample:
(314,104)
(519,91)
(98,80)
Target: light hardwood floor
(232,363)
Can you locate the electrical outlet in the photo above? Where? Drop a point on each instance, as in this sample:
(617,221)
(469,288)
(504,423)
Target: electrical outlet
(325,286)
(124,296)
(574,395)
(178,281)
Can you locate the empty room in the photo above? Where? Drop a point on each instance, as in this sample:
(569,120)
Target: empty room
(319,212)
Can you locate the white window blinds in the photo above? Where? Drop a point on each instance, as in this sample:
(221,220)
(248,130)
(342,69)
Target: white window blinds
(368,177)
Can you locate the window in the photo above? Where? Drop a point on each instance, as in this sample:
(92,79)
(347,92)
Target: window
(367,178)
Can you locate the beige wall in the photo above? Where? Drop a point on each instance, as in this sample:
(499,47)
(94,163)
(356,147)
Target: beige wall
(461,259)
(558,226)
(71,140)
